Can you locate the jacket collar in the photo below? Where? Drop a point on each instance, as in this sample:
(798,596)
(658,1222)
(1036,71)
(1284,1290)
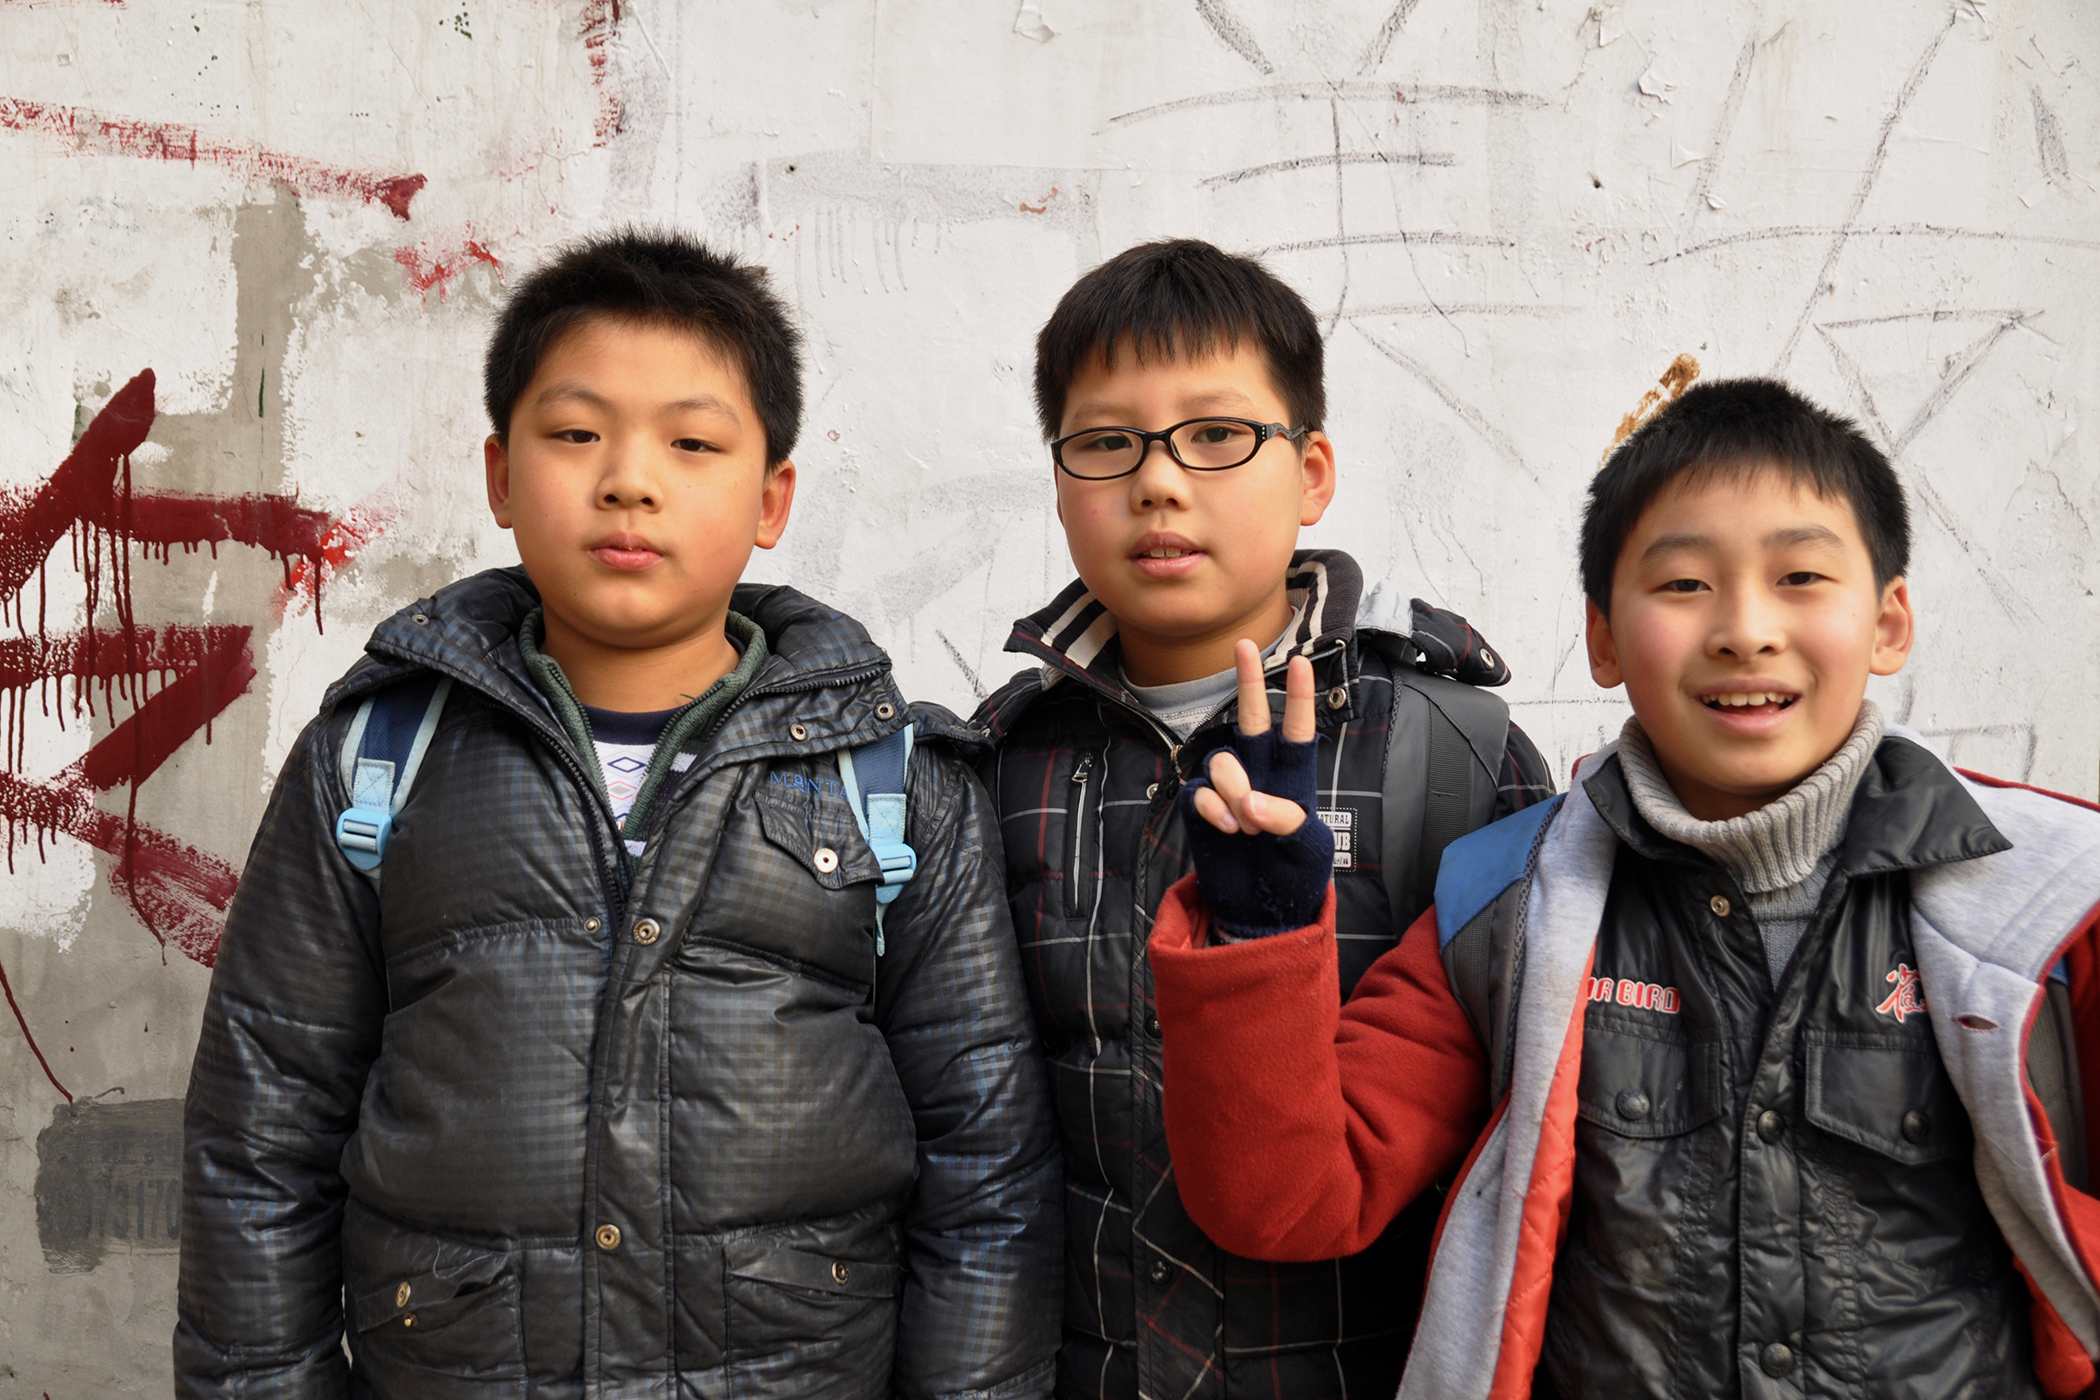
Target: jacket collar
(1909,812)
(1075,637)
(820,660)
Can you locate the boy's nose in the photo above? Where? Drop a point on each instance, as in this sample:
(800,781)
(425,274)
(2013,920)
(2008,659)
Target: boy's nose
(1749,627)
(627,480)
(1159,479)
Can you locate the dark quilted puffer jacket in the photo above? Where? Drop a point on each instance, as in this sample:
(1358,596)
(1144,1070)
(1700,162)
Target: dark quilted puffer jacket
(1086,782)
(532,1115)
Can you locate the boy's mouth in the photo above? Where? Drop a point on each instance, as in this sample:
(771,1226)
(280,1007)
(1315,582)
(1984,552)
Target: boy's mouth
(1749,702)
(1164,555)
(626,553)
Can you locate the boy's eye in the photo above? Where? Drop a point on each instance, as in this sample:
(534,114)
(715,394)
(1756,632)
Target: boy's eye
(1102,442)
(1800,578)
(690,445)
(1683,585)
(576,435)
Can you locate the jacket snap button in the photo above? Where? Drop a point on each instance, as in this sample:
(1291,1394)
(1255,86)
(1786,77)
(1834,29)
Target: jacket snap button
(409,1321)
(590,925)
(1777,1358)
(840,1273)
(646,932)
(418,618)
(1338,697)
(1633,1105)
(401,1296)
(1158,1271)
(1152,1025)
(1770,1125)
(608,1237)
(798,732)
(885,711)
(826,859)
(1917,1126)
(1151,791)
(1719,904)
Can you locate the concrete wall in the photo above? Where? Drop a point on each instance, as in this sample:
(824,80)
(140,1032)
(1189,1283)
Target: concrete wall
(252,249)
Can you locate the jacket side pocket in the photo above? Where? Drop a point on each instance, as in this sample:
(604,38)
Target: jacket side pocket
(429,1316)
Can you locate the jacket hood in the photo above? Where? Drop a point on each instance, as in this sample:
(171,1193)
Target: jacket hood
(468,630)
(1075,638)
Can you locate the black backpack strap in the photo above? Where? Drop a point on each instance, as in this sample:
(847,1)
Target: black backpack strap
(1443,765)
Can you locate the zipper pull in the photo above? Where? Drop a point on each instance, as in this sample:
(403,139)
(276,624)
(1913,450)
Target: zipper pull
(1085,768)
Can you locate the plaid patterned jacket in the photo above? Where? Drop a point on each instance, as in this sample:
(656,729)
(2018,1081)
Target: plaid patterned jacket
(548,1118)
(1085,782)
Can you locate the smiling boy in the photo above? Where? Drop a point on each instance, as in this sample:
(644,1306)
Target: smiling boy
(1768,1048)
(590,1062)
(1181,390)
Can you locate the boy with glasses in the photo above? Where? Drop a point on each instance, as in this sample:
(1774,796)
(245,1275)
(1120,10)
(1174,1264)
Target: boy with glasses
(1181,390)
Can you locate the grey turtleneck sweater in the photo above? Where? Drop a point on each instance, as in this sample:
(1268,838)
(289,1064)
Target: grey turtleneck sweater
(1782,853)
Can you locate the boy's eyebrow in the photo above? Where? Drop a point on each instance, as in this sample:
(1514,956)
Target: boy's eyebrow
(573,389)
(1778,539)
(1803,534)
(1195,403)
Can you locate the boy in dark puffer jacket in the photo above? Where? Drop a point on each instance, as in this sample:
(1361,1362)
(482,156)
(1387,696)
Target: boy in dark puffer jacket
(614,1077)
(1770,1049)
(1181,388)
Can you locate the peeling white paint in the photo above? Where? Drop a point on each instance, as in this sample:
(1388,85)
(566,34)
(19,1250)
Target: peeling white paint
(1891,203)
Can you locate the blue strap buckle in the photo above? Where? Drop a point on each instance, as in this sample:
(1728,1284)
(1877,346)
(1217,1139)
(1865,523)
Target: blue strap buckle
(362,833)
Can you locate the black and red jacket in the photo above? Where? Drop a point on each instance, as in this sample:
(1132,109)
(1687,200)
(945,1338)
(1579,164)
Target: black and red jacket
(1085,780)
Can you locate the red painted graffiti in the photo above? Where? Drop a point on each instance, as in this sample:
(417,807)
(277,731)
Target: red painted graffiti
(174,680)
(427,269)
(601,20)
(81,132)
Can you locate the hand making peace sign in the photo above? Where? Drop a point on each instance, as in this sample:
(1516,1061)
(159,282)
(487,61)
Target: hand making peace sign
(1262,864)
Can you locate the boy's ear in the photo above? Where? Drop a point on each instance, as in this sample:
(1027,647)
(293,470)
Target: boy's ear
(1894,631)
(1318,479)
(1604,648)
(775,499)
(495,459)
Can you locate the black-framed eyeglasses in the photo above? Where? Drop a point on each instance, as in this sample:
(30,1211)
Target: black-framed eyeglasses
(1200,444)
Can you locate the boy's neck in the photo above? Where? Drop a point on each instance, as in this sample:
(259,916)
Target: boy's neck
(1152,659)
(640,680)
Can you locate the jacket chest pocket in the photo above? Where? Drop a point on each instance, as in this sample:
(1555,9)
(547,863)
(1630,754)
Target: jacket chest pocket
(796,886)
(1641,1084)
(1892,1098)
(1082,845)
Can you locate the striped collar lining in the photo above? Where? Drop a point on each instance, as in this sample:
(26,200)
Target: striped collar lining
(1324,588)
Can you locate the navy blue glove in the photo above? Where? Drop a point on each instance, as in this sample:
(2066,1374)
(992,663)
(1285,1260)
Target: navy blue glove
(1258,883)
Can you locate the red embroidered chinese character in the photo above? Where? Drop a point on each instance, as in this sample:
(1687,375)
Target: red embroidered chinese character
(1909,995)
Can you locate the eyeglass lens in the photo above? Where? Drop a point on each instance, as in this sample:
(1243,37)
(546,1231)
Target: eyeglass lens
(1206,444)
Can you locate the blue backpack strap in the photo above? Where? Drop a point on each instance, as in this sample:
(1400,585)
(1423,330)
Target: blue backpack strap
(381,754)
(874,775)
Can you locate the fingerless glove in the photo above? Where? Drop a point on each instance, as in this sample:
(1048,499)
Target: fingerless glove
(1256,883)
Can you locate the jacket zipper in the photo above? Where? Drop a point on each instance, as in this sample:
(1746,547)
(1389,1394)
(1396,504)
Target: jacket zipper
(1075,828)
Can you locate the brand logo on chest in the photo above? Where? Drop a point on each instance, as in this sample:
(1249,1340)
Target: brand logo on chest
(1629,991)
(1909,995)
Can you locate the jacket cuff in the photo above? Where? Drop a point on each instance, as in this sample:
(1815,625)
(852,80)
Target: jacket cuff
(1185,926)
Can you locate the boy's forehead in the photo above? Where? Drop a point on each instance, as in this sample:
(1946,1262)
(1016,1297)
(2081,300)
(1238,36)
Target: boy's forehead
(1221,378)
(669,356)
(1744,504)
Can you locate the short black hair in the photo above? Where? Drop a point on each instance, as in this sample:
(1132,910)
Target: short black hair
(1182,296)
(1732,428)
(661,279)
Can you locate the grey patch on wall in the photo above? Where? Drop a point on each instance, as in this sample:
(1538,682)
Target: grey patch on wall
(108,1175)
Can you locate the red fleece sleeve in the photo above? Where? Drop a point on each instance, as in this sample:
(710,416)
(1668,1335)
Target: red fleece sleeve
(1299,1127)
